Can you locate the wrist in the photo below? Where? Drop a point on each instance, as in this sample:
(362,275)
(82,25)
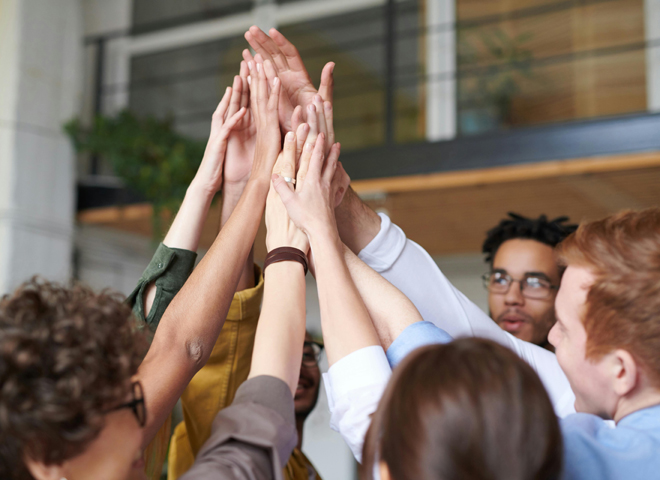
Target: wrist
(200,190)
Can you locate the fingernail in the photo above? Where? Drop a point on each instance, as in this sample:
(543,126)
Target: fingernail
(311,108)
(275,80)
(289,137)
(258,67)
(250,65)
(249,80)
(318,98)
(309,146)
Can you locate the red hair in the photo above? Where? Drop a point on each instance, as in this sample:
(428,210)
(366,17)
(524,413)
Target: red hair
(623,304)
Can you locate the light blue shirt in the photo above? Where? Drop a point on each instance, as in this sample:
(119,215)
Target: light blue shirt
(414,336)
(595,450)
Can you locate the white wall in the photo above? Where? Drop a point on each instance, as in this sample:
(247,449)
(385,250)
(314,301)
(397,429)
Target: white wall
(40,61)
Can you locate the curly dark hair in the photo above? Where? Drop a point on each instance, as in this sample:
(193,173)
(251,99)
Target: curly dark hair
(550,232)
(66,355)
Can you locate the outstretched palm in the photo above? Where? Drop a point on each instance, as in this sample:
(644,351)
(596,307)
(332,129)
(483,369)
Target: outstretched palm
(242,140)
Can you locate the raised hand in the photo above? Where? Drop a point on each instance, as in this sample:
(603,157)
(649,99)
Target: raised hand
(281,231)
(242,140)
(265,110)
(210,173)
(290,68)
(311,206)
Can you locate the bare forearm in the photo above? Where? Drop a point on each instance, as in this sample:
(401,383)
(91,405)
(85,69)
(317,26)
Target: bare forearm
(278,345)
(192,323)
(185,231)
(357,223)
(390,310)
(231,194)
(188,224)
(345,320)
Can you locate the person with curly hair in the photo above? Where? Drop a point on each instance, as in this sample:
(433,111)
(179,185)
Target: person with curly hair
(80,399)
(524,274)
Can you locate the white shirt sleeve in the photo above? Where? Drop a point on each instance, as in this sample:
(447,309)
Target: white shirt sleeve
(412,270)
(354,386)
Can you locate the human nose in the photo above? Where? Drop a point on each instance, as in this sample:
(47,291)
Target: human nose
(514,295)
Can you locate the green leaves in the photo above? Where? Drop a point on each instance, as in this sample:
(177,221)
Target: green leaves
(147,154)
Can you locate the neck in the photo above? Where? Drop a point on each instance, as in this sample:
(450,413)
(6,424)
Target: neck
(648,397)
(300,422)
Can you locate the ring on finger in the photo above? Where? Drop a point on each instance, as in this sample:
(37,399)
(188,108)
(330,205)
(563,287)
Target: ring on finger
(290,180)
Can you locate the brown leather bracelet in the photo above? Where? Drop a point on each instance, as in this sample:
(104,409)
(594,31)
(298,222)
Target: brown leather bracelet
(286,254)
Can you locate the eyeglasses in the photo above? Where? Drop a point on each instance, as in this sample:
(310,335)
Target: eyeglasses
(137,404)
(532,286)
(311,354)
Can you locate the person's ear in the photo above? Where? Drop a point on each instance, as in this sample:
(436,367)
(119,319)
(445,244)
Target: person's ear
(384,471)
(624,372)
(41,471)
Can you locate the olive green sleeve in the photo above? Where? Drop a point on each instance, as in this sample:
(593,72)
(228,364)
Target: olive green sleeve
(169,269)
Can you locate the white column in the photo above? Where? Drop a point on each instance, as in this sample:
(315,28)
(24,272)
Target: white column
(441,70)
(40,60)
(652,21)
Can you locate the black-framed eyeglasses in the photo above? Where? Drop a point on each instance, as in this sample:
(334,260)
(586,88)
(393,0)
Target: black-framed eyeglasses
(531,286)
(136,404)
(311,353)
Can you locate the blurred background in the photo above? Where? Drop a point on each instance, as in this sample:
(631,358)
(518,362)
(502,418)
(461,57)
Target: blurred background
(451,113)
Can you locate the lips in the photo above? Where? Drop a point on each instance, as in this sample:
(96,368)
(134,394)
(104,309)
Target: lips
(512,321)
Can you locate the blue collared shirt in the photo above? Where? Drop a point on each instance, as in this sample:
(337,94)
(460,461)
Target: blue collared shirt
(593,449)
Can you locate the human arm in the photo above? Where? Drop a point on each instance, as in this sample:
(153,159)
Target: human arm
(191,325)
(251,439)
(175,258)
(412,270)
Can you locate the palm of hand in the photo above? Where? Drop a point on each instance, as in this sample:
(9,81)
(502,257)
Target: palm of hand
(240,151)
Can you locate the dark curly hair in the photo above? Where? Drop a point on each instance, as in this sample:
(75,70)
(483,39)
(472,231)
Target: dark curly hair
(66,355)
(550,232)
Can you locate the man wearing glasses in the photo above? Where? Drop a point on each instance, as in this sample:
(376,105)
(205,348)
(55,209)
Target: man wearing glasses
(524,276)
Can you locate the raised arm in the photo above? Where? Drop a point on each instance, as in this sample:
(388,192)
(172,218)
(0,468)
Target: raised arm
(191,324)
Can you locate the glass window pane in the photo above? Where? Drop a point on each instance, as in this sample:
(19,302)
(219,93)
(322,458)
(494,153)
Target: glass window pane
(185,84)
(524,62)
(150,15)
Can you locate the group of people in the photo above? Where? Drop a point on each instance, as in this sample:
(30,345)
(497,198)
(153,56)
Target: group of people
(562,382)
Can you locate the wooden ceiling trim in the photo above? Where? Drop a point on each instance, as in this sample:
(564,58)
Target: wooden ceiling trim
(515,173)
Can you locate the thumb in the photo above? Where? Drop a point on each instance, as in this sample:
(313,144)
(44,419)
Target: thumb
(282,188)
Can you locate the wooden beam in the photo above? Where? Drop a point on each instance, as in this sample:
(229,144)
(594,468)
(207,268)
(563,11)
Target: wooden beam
(514,173)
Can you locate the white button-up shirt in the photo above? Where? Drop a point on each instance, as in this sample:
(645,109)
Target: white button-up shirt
(355,383)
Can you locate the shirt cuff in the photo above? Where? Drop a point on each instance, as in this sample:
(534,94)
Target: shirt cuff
(417,335)
(364,367)
(386,247)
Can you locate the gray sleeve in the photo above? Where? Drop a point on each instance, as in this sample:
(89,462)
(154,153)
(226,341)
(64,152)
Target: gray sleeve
(253,438)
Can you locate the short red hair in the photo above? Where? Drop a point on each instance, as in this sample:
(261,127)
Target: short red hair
(623,304)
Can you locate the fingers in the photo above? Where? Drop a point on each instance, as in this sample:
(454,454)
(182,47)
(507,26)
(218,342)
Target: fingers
(301,137)
(247,56)
(316,162)
(303,167)
(262,87)
(296,118)
(234,119)
(274,99)
(313,122)
(288,165)
(329,115)
(245,91)
(327,86)
(340,183)
(320,117)
(258,40)
(294,61)
(282,188)
(219,114)
(331,163)
(235,101)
